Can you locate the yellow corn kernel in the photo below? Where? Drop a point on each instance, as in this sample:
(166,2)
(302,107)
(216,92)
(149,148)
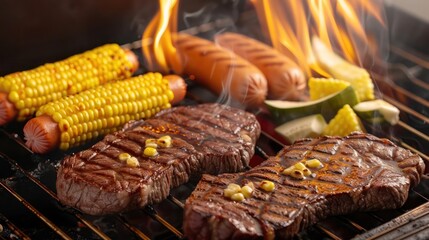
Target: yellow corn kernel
(288,171)
(313,163)
(31,89)
(238,197)
(133,162)
(150,152)
(306,172)
(297,174)
(151,142)
(228,192)
(234,187)
(299,166)
(164,141)
(105,108)
(322,87)
(65,137)
(124,156)
(64,145)
(345,122)
(358,77)
(250,184)
(267,186)
(247,191)
(246,137)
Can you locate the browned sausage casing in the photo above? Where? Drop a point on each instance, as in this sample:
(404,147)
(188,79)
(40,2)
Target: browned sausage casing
(222,71)
(286,81)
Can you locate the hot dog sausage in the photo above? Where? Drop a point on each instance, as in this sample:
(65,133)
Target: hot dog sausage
(42,134)
(286,81)
(222,71)
(11,108)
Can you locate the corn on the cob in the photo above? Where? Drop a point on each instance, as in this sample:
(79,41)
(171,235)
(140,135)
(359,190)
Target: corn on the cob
(28,90)
(322,87)
(358,77)
(345,122)
(339,68)
(106,108)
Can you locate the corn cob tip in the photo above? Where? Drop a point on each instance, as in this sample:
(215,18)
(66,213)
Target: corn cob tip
(132,58)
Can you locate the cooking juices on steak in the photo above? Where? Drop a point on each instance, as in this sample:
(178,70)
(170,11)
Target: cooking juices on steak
(206,138)
(360,172)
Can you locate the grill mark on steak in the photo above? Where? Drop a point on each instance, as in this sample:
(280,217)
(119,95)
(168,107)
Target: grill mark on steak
(361,173)
(206,138)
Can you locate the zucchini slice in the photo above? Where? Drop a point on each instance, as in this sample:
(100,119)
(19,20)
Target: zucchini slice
(377,111)
(284,111)
(309,126)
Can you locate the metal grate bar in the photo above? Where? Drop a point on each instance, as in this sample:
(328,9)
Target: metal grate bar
(151,212)
(416,192)
(406,109)
(413,58)
(35,211)
(354,224)
(413,130)
(13,228)
(327,232)
(412,149)
(131,227)
(410,95)
(54,196)
(398,224)
(87,223)
(415,232)
(176,201)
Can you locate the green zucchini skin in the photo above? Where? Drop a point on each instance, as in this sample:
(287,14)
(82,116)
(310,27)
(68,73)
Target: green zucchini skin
(284,111)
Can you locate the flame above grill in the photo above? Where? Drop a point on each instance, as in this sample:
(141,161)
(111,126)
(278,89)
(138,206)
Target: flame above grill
(290,26)
(338,24)
(157,41)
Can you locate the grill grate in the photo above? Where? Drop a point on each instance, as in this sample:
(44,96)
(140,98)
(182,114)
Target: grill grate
(30,207)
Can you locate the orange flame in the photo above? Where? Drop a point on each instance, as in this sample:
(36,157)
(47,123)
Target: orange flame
(157,43)
(292,24)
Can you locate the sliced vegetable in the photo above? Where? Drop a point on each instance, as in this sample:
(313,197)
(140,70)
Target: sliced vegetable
(309,126)
(377,111)
(345,122)
(283,111)
(322,87)
(339,68)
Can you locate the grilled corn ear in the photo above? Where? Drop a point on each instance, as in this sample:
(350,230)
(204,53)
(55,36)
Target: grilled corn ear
(107,108)
(28,90)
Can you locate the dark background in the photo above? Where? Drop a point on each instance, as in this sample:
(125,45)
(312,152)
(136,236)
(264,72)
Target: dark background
(36,32)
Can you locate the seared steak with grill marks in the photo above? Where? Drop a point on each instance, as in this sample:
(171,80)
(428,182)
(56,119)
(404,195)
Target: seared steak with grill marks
(360,173)
(207,138)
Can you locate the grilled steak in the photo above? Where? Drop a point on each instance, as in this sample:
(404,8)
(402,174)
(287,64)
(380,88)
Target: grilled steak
(207,138)
(360,172)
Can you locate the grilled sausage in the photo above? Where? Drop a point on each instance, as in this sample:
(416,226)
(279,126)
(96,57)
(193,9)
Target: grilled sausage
(43,134)
(220,70)
(286,81)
